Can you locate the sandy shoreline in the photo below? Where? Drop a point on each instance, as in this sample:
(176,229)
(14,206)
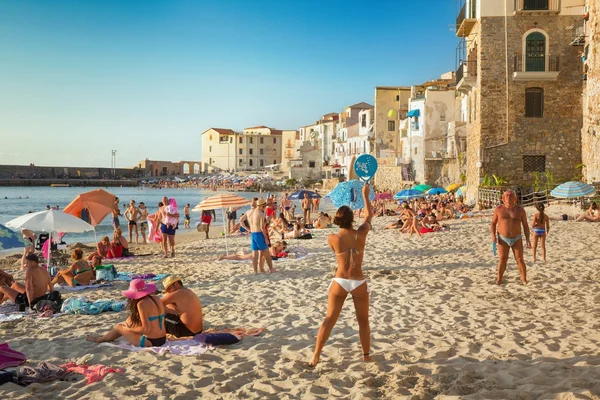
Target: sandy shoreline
(440,326)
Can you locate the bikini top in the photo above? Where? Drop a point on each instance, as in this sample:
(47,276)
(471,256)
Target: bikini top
(81,271)
(351,252)
(160,317)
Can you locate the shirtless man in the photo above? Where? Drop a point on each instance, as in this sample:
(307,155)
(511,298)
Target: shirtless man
(286,204)
(143,220)
(507,221)
(183,309)
(115,214)
(37,284)
(255,222)
(306,206)
(167,227)
(132,214)
(186,215)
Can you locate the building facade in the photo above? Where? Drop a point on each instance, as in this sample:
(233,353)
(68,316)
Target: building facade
(521,82)
(589,28)
(391,106)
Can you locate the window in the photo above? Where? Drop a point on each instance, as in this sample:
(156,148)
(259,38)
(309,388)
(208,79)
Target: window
(274,140)
(443,117)
(261,151)
(274,162)
(240,140)
(241,152)
(535,4)
(231,139)
(210,137)
(397,97)
(210,149)
(261,140)
(262,163)
(534,102)
(240,162)
(250,151)
(534,163)
(363,121)
(251,140)
(311,164)
(391,126)
(209,161)
(535,52)
(416,150)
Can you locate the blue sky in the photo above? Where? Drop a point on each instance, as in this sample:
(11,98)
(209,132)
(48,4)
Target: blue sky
(147,77)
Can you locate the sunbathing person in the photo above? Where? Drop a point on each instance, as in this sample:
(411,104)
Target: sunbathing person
(183,309)
(37,284)
(6,279)
(102,248)
(323,221)
(591,215)
(145,325)
(349,246)
(296,233)
(410,221)
(79,273)
(119,247)
(430,224)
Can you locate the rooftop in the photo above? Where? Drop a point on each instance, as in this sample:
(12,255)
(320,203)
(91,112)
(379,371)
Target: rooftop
(392,87)
(222,131)
(361,105)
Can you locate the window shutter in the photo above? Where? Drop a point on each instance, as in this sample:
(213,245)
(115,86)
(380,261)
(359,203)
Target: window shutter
(534,102)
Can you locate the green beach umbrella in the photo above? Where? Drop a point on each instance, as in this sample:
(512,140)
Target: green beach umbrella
(423,187)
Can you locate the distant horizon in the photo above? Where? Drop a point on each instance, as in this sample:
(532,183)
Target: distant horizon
(146,79)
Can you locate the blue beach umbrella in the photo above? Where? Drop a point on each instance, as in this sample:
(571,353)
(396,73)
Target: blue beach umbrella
(461,191)
(569,190)
(437,190)
(10,239)
(408,194)
(349,194)
(299,195)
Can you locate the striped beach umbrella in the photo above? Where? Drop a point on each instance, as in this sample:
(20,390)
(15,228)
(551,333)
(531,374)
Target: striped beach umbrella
(569,190)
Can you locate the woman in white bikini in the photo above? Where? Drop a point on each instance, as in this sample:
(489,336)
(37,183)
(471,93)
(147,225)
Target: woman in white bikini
(348,245)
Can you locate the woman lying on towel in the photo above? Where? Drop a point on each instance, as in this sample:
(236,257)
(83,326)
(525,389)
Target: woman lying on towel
(79,273)
(145,325)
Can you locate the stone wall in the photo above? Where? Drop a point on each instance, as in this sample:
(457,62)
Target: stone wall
(390,178)
(556,135)
(591,112)
(40,172)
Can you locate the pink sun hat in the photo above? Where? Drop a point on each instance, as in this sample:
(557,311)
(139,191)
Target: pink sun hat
(138,289)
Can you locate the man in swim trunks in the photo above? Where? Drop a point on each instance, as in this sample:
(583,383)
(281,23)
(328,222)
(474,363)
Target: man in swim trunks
(143,220)
(167,227)
(183,309)
(132,215)
(37,284)
(306,207)
(506,232)
(115,214)
(255,222)
(186,214)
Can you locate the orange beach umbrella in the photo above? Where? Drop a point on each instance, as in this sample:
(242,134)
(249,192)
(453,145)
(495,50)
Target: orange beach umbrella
(96,203)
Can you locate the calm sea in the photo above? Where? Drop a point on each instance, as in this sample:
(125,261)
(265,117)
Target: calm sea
(16,201)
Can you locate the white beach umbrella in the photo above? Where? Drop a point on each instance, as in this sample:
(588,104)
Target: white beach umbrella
(50,221)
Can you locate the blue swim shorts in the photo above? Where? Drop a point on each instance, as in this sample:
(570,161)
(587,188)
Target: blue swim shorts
(169,230)
(257,241)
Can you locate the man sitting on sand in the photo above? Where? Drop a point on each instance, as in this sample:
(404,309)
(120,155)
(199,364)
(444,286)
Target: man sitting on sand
(37,284)
(183,309)
(507,221)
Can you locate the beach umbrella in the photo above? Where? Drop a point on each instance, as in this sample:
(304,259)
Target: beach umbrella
(453,187)
(423,187)
(408,194)
(349,193)
(222,201)
(436,191)
(50,221)
(95,204)
(299,195)
(384,196)
(461,191)
(10,239)
(572,189)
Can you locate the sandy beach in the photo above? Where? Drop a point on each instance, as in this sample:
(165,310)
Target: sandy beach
(441,328)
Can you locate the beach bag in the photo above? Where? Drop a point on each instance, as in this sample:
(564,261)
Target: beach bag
(106,272)
(202,227)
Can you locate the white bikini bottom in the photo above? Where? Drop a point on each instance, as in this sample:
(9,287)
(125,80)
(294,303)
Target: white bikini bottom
(349,284)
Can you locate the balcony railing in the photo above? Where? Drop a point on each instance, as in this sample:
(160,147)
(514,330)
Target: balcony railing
(537,6)
(465,20)
(579,33)
(467,69)
(537,63)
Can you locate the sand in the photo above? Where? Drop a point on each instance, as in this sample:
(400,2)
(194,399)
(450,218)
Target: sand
(441,328)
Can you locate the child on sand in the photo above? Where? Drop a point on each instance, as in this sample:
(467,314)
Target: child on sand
(541,228)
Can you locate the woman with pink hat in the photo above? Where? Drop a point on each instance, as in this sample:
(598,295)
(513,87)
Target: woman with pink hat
(145,326)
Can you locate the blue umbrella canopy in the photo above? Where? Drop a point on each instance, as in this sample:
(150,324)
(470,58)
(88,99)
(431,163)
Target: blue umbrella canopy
(461,191)
(408,194)
(299,195)
(10,239)
(349,194)
(437,190)
(573,189)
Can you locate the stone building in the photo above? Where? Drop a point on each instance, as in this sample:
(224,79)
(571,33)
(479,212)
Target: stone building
(521,82)
(589,28)
(166,168)
(391,106)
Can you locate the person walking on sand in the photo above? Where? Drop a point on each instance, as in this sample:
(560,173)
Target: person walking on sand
(132,215)
(143,220)
(255,222)
(506,226)
(541,229)
(348,245)
(186,214)
(306,207)
(115,214)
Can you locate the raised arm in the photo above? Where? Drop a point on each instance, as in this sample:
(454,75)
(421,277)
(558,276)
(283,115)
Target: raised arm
(366,226)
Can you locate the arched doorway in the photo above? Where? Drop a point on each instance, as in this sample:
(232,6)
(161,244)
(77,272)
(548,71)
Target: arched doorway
(535,52)
(196,169)
(186,168)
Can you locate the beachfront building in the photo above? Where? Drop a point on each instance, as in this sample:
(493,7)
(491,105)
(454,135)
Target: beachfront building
(391,106)
(322,134)
(290,148)
(350,141)
(431,138)
(522,81)
(587,36)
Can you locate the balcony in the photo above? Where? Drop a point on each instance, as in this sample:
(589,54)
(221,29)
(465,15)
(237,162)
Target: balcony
(438,155)
(466,76)
(579,33)
(537,7)
(536,68)
(466,20)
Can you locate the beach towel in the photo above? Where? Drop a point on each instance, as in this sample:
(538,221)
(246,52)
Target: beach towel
(67,288)
(11,317)
(93,373)
(128,276)
(178,347)
(44,372)
(82,306)
(9,357)
(154,229)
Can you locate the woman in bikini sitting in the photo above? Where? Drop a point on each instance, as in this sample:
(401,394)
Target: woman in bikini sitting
(145,325)
(102,248)
(592,214)
(80,273)
(348,245)
(119,247)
